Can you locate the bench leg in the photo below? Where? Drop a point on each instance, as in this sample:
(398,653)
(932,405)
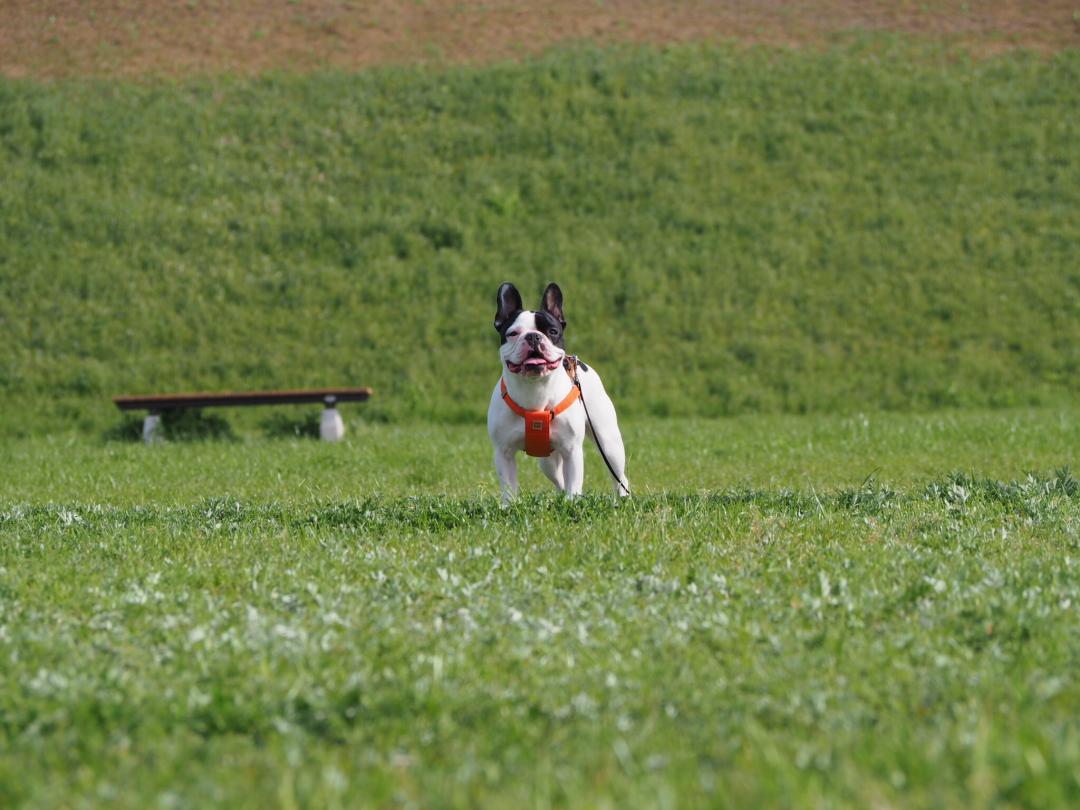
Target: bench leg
(150,427)
(331,426)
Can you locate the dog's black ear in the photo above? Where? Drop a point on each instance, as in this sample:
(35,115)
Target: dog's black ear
(552,302)
(508,303)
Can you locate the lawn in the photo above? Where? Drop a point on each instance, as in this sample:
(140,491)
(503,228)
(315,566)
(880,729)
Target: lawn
(794,611)
(834,293)
(262,464)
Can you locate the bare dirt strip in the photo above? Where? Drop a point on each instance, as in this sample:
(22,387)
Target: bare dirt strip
(108,38)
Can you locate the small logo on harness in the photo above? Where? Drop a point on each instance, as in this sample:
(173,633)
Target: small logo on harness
(537,425)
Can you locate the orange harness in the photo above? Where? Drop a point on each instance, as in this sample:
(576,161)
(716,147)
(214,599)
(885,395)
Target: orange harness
(538,423)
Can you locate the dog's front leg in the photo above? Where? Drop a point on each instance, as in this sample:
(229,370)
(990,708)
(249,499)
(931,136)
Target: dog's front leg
(506,468)
(552,467)
(574,470)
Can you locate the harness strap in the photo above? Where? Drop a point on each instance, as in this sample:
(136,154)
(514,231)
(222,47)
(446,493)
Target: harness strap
(568,400)
(538,423)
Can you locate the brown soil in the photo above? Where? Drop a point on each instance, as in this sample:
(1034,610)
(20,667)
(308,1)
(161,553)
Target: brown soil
(61,38)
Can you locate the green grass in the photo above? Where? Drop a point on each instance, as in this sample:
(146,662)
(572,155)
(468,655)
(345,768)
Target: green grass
(872,605)
(873,227)
(664,455)
(280,622)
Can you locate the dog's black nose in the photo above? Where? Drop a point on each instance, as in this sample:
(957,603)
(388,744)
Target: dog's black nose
(533,339)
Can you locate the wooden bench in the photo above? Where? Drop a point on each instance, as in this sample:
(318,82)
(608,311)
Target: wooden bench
(331,428)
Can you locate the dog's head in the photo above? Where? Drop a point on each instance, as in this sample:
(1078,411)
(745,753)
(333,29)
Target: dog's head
(532,340)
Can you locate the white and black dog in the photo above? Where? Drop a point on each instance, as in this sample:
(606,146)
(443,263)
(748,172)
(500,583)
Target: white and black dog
(536,406)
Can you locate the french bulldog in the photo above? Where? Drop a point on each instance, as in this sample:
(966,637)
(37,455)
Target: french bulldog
(546,402)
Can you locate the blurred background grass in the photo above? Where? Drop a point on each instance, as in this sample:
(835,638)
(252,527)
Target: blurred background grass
(882,225)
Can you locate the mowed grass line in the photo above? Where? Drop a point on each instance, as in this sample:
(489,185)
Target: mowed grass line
(749,647)
(878,226)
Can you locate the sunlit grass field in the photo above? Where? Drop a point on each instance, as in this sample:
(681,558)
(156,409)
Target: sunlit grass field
(876,610)
(834,294)
(257,463)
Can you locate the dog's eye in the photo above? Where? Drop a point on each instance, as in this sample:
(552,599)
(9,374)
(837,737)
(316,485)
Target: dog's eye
(512,334)
(553,332)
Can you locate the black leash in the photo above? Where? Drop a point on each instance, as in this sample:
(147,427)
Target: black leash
(571,364)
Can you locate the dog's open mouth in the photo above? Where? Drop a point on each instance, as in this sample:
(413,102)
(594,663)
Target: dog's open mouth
(535,363)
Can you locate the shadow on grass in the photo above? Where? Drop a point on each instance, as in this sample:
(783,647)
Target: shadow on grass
(197,425)
(191,424)
(282,426)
